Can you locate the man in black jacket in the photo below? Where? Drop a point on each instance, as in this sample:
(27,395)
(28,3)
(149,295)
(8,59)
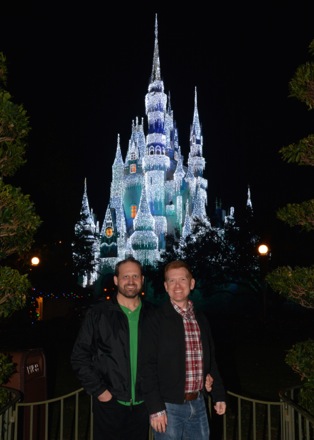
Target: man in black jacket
(105,358)
(179,363)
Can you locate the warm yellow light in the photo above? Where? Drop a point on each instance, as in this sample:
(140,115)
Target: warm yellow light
(35,261)
(263,249)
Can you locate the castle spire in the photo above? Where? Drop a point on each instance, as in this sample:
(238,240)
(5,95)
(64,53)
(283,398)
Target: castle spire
(118,158)
(87,219)
(169,110)
(196,161)
(85,210)
(117,175)
(196,126)
(199,203)
(249,201)
(187,227)
(144,241)
(156,61)
(144,219)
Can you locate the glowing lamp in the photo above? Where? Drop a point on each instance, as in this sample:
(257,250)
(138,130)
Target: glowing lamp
(263,249)
(35,261)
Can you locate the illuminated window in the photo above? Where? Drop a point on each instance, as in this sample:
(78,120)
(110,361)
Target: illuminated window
(133,168)
(109,232)
(133,211)
(39,307)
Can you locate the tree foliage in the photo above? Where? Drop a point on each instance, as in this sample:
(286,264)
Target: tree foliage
(216,256)
(7,368)
(298,214)
(297,284)
(83,251)
(18,219)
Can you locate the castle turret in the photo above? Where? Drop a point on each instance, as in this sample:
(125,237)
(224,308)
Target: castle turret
(156,162)
(144,241)
(196,161)
(133,178)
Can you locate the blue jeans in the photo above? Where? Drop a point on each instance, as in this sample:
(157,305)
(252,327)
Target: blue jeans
(188,421)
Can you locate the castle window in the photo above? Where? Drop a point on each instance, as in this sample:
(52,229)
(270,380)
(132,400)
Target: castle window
(109,231)
(133,211)
(133,168)
(133,155)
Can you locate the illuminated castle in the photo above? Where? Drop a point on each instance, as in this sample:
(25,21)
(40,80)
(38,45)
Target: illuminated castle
(153,194)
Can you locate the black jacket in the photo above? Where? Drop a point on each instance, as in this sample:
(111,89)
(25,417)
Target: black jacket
(163,366)
(101,353)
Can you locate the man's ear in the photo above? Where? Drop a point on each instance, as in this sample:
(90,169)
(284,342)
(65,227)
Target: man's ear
(115,280)
(165,286)
(192,284)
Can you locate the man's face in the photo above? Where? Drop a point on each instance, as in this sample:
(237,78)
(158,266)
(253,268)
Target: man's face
(129,281)
(178,285)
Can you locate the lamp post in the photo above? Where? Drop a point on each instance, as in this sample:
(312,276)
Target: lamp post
(264,252)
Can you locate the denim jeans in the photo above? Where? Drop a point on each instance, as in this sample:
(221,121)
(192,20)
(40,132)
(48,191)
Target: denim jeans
(188,421)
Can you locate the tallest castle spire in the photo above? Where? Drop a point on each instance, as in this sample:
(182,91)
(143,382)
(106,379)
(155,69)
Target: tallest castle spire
(156,61)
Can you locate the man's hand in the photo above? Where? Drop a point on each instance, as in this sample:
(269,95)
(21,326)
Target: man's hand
(159,423)
(208,383)
(105,396)
(220,408)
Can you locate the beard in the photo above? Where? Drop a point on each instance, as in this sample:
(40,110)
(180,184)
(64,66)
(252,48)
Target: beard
(129,292)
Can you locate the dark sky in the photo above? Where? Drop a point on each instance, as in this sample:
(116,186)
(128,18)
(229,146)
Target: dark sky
(82,76)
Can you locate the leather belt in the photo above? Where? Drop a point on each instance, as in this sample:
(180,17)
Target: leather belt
(191,396)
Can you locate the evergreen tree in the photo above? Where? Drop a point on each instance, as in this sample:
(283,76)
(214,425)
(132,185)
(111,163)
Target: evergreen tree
(18,220)
(297,283)
(83,248)
(216,256)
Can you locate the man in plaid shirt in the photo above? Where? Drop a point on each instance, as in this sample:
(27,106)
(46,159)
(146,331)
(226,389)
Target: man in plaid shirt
(179,365)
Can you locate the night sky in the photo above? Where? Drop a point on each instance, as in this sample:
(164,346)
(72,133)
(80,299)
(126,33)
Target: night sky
(82,77)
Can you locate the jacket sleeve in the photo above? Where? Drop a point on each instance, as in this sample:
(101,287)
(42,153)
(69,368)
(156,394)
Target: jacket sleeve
(84,357)
(149,376)
(218,392)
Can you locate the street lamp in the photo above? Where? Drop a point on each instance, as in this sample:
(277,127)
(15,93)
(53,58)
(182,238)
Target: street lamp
(33,268)
(264,252)
(35,261)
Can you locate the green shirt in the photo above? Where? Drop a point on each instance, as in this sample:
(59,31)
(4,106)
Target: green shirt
(133,318)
